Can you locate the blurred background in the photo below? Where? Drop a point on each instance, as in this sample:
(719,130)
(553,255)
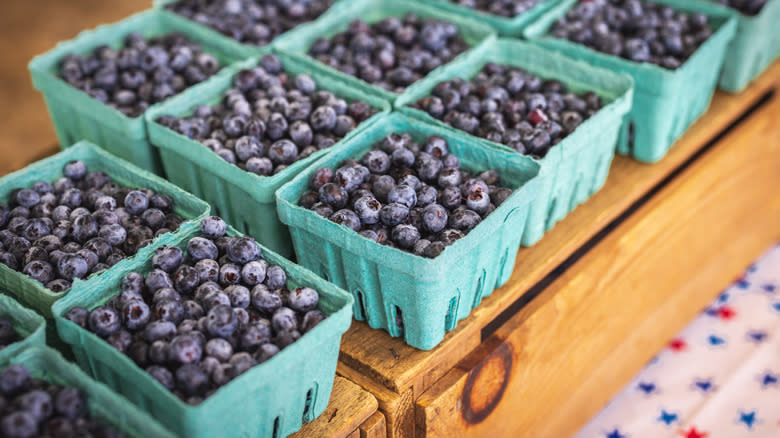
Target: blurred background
(28,28)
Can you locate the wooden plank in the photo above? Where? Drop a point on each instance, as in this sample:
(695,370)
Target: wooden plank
(605,317)
(399,367)
(398,409)
(374,427)
(348,408)
(30,28)
(354,434)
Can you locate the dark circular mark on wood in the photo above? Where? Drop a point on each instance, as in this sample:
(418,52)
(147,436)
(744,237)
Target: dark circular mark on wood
(502,354)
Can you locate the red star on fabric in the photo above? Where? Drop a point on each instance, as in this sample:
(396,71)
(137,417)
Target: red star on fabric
(678,345)
(693,433)
(726,313)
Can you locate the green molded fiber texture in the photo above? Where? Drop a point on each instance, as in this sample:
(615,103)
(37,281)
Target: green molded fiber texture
(234,46)
(755,45)
(30,326)
(78,116)
(32,293)
(666,102)
(504,26)
(245,200)
(272,399)
(429,296)
(104,405)
(338,17)
(576,167)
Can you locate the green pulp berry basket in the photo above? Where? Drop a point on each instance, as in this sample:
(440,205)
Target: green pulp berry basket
(755,45)
(272,399)
(243,199)
(30,327)
(504,26)
(337,19)
(234,46)
(666,102)
(576,167)
(33,293)
(418,298)
(78,116)
(105,406)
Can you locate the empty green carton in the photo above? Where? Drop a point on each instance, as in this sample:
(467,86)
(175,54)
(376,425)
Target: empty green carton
(411,296)
(337,19)
(243,199)
(576,167)
(78,116)
(30,326)
(105,406)
(504,26)
(273,399)
(666,102)
(755,45)
(33,293)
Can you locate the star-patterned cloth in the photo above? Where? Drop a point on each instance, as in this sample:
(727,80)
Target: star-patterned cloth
(719,378)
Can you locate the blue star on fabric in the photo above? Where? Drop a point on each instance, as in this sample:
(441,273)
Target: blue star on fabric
(776,306)
(757,336)
(711,311)
(743,284)
(769,379)
(647,388)
(769,288)
(705,385)
(748,418)
(615,434)
(667,417)
(715,340)
(723,297)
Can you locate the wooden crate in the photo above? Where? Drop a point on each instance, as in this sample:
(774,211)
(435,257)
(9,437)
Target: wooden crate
(593,297)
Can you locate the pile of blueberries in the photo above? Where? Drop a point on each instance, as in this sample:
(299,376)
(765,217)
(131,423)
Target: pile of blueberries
(269,120)
(503,8)
(34,408)
(508,105)
(747,7)
(636,30)
(255,22)
(393,52)
(82,224)
(7,333)
(203,317)
(141,73)
(406,195)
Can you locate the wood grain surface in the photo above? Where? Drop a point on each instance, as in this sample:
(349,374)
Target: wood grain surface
(606,316)
(348,408)
(29,28)
(374,427)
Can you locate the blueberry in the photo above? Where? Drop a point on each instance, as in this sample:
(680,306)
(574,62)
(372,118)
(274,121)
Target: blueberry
(19,424)
(169,310)
(464,220)
(253,272)
(243,250)
(199,248)
(405,236)
(167,258)
(348,177)
(103,321)
(402,194)
(13,379)
(159,330)
(478,201)
(157,279)
(303,299)
(186,278)
(120,340)
(221,321)
(367,209)
(347,218)
(74,170)
(184,349)
(219,348)
(264,300)
(207,269)
(70,403)
(265,352)
(333,195)
(191,380)
(72,266)
(229,273)
(255,335)
(393,214)
(275,277)
(40,271)
(136,202)
(135,314)
(284,319)
(162,375)
(78,316)
(311,319)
